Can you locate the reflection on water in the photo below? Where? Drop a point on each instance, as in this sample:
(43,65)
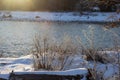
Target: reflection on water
(17,37)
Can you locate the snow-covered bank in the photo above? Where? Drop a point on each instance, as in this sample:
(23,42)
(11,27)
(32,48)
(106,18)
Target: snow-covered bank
(59,16)
(24,65)
(78,71)
(16,64)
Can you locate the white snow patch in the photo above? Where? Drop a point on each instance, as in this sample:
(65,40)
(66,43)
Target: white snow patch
(79,71)
(60,16)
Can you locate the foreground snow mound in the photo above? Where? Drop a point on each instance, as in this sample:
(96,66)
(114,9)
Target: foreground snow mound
(16,64)
(23,65)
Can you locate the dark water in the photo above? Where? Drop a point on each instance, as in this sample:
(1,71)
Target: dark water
(16,37)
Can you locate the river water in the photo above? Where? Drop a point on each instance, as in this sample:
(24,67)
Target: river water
(16,37)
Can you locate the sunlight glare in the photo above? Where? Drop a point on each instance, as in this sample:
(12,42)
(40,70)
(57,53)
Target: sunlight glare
(18,3)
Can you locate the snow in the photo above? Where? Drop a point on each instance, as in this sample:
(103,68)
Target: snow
(23,65)
(96,8)
(60,16)
(4,76)
(16,64)
(72,72)
(78,71)
(109,72)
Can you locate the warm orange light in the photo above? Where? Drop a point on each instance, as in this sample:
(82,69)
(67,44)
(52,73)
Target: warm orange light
(18,3)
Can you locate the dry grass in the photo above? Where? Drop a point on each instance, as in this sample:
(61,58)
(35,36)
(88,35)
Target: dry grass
(49,54)
(90,52)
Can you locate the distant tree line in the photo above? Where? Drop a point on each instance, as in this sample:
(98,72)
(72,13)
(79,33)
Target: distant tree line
(103,5)
(63,5)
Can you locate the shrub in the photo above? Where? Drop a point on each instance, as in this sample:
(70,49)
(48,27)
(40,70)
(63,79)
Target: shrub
(90,52)
(49,54)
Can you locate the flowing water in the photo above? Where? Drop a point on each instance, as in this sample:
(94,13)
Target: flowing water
(16,37)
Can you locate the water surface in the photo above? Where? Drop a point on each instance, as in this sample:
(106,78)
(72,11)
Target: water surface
(16,37)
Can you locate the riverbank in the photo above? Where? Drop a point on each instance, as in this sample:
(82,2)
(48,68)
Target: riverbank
(108,71)
(94,17)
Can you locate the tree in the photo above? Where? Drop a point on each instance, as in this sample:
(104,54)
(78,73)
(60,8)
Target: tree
(107,5)
(85,5)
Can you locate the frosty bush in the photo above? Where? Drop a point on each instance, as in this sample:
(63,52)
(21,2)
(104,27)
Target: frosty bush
(92,53)
(49,54)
